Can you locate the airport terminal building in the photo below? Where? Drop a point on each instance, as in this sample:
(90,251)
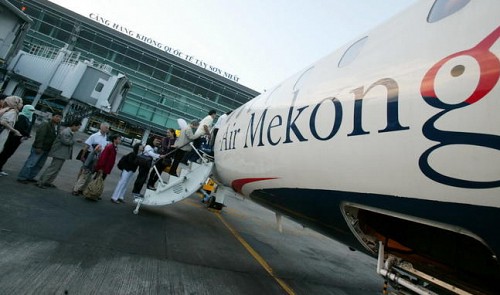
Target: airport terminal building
(164,84)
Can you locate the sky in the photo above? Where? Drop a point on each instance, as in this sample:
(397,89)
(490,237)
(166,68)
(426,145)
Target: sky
(259,42)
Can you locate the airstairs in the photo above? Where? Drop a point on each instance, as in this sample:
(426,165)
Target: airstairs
(173,189)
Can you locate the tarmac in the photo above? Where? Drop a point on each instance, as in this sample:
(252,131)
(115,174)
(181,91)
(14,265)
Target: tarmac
(52,242)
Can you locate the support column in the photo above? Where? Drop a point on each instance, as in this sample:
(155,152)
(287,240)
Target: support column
(85,122)
(11,86)
(145,136)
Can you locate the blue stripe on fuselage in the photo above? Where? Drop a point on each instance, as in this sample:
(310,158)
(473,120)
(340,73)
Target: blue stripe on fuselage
(320,210)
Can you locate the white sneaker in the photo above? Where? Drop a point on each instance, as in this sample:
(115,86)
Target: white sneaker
(3,173)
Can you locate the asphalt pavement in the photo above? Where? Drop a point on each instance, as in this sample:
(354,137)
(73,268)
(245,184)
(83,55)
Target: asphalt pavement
(52,242)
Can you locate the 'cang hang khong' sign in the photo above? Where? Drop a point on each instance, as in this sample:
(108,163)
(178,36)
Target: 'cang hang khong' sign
(96,17)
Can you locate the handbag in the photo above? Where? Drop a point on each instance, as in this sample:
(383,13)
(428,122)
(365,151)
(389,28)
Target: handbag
(167,161)
(80,154)
(144,160)
(95,188)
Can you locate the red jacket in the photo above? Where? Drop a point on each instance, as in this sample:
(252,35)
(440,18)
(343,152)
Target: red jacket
(107,159)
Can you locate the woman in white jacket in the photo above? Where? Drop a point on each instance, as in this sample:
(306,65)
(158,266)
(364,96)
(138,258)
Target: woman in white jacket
(8,117)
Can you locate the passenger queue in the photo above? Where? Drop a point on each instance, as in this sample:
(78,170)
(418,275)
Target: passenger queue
(99,152)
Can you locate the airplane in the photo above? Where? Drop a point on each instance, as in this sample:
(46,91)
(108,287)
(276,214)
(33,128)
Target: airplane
(390,145)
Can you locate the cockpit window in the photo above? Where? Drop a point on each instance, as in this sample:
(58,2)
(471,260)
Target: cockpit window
(444,8)
(352,52)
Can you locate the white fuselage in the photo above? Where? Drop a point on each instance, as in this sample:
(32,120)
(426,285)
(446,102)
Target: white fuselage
(403,120)
(327,126)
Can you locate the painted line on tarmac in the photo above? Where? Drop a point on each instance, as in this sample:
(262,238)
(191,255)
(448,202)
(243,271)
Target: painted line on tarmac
(256,255)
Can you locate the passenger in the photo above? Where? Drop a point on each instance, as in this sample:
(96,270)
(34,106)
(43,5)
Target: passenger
(4,107)
(206,125)
(23,124)
(61,150)
(128,165)
(87,170)
(107,159)
(220,122)
(149,153)
(183,146)
(44,138)
(166,147)
(99,140)
(202,134)
(12,106)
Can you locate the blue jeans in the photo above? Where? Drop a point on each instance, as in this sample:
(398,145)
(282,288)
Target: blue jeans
(33,165)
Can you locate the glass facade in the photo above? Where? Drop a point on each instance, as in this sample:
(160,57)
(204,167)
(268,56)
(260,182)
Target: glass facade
(163,87)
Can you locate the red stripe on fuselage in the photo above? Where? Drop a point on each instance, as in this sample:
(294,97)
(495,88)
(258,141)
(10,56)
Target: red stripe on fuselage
(239,183)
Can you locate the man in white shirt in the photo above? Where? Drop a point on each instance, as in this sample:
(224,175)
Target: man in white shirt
(206,124)
(98,138)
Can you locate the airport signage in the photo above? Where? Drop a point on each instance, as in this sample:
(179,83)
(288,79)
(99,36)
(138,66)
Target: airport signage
(168,49)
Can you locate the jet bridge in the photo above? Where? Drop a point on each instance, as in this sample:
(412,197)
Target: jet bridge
(66,72)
